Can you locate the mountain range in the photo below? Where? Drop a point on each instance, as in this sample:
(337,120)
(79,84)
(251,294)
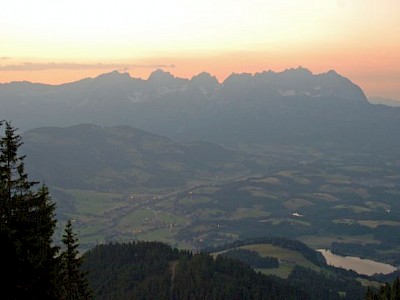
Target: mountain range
(293,107)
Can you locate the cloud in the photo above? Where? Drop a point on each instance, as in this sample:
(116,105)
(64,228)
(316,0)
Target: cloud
(29,66)
(5,58)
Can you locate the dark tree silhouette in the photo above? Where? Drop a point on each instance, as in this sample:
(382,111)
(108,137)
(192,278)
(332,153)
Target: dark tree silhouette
(73,278)
(31,266)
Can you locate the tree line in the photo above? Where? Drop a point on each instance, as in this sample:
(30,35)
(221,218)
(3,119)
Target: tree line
(252,258)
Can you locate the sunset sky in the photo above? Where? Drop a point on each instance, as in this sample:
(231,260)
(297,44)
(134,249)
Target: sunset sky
(63,41)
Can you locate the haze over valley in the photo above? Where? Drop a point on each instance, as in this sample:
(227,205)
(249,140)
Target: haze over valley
(291,153)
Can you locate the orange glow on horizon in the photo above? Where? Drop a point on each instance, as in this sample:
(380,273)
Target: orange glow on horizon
(375,73)
(57,42)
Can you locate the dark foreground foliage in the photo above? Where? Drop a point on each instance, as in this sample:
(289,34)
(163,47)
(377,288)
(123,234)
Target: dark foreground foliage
(153,270)
(324,285)
(386,292)
(32,267)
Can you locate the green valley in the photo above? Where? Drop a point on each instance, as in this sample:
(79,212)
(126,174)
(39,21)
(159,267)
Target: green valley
(346,202)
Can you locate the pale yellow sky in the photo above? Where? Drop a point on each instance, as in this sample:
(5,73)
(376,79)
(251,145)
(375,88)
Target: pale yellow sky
(60,41)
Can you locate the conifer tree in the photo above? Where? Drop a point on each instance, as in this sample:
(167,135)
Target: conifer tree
(73,278)
(27,223)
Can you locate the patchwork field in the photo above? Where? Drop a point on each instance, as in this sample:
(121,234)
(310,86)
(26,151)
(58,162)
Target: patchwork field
(324,202)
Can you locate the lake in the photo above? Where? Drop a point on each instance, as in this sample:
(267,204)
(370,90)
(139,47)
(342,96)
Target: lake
(359,265)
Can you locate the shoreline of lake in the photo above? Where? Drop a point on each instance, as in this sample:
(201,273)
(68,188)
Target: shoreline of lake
(357,264)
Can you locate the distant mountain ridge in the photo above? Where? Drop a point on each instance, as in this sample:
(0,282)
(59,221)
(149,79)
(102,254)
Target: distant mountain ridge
(120,89)
(120,158)
(292,107)
(298,82)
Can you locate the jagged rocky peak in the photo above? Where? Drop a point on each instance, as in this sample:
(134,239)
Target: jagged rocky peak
(205,80)
(300,71)
(332,73)
(113,79)
(238,78)
(332,76)
(295,73)
(341,86)
(114,75)
(159,74)
(162,78)
(298,82)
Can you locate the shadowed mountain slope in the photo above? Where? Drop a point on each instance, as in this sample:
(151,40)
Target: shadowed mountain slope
(119,158)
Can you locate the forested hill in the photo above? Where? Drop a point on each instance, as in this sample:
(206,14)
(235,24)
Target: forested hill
(153,270)
(119,158)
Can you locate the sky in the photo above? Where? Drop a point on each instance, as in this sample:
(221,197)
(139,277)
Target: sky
(62,41)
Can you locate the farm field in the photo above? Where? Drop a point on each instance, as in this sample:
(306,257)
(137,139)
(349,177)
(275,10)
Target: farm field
(336,203)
